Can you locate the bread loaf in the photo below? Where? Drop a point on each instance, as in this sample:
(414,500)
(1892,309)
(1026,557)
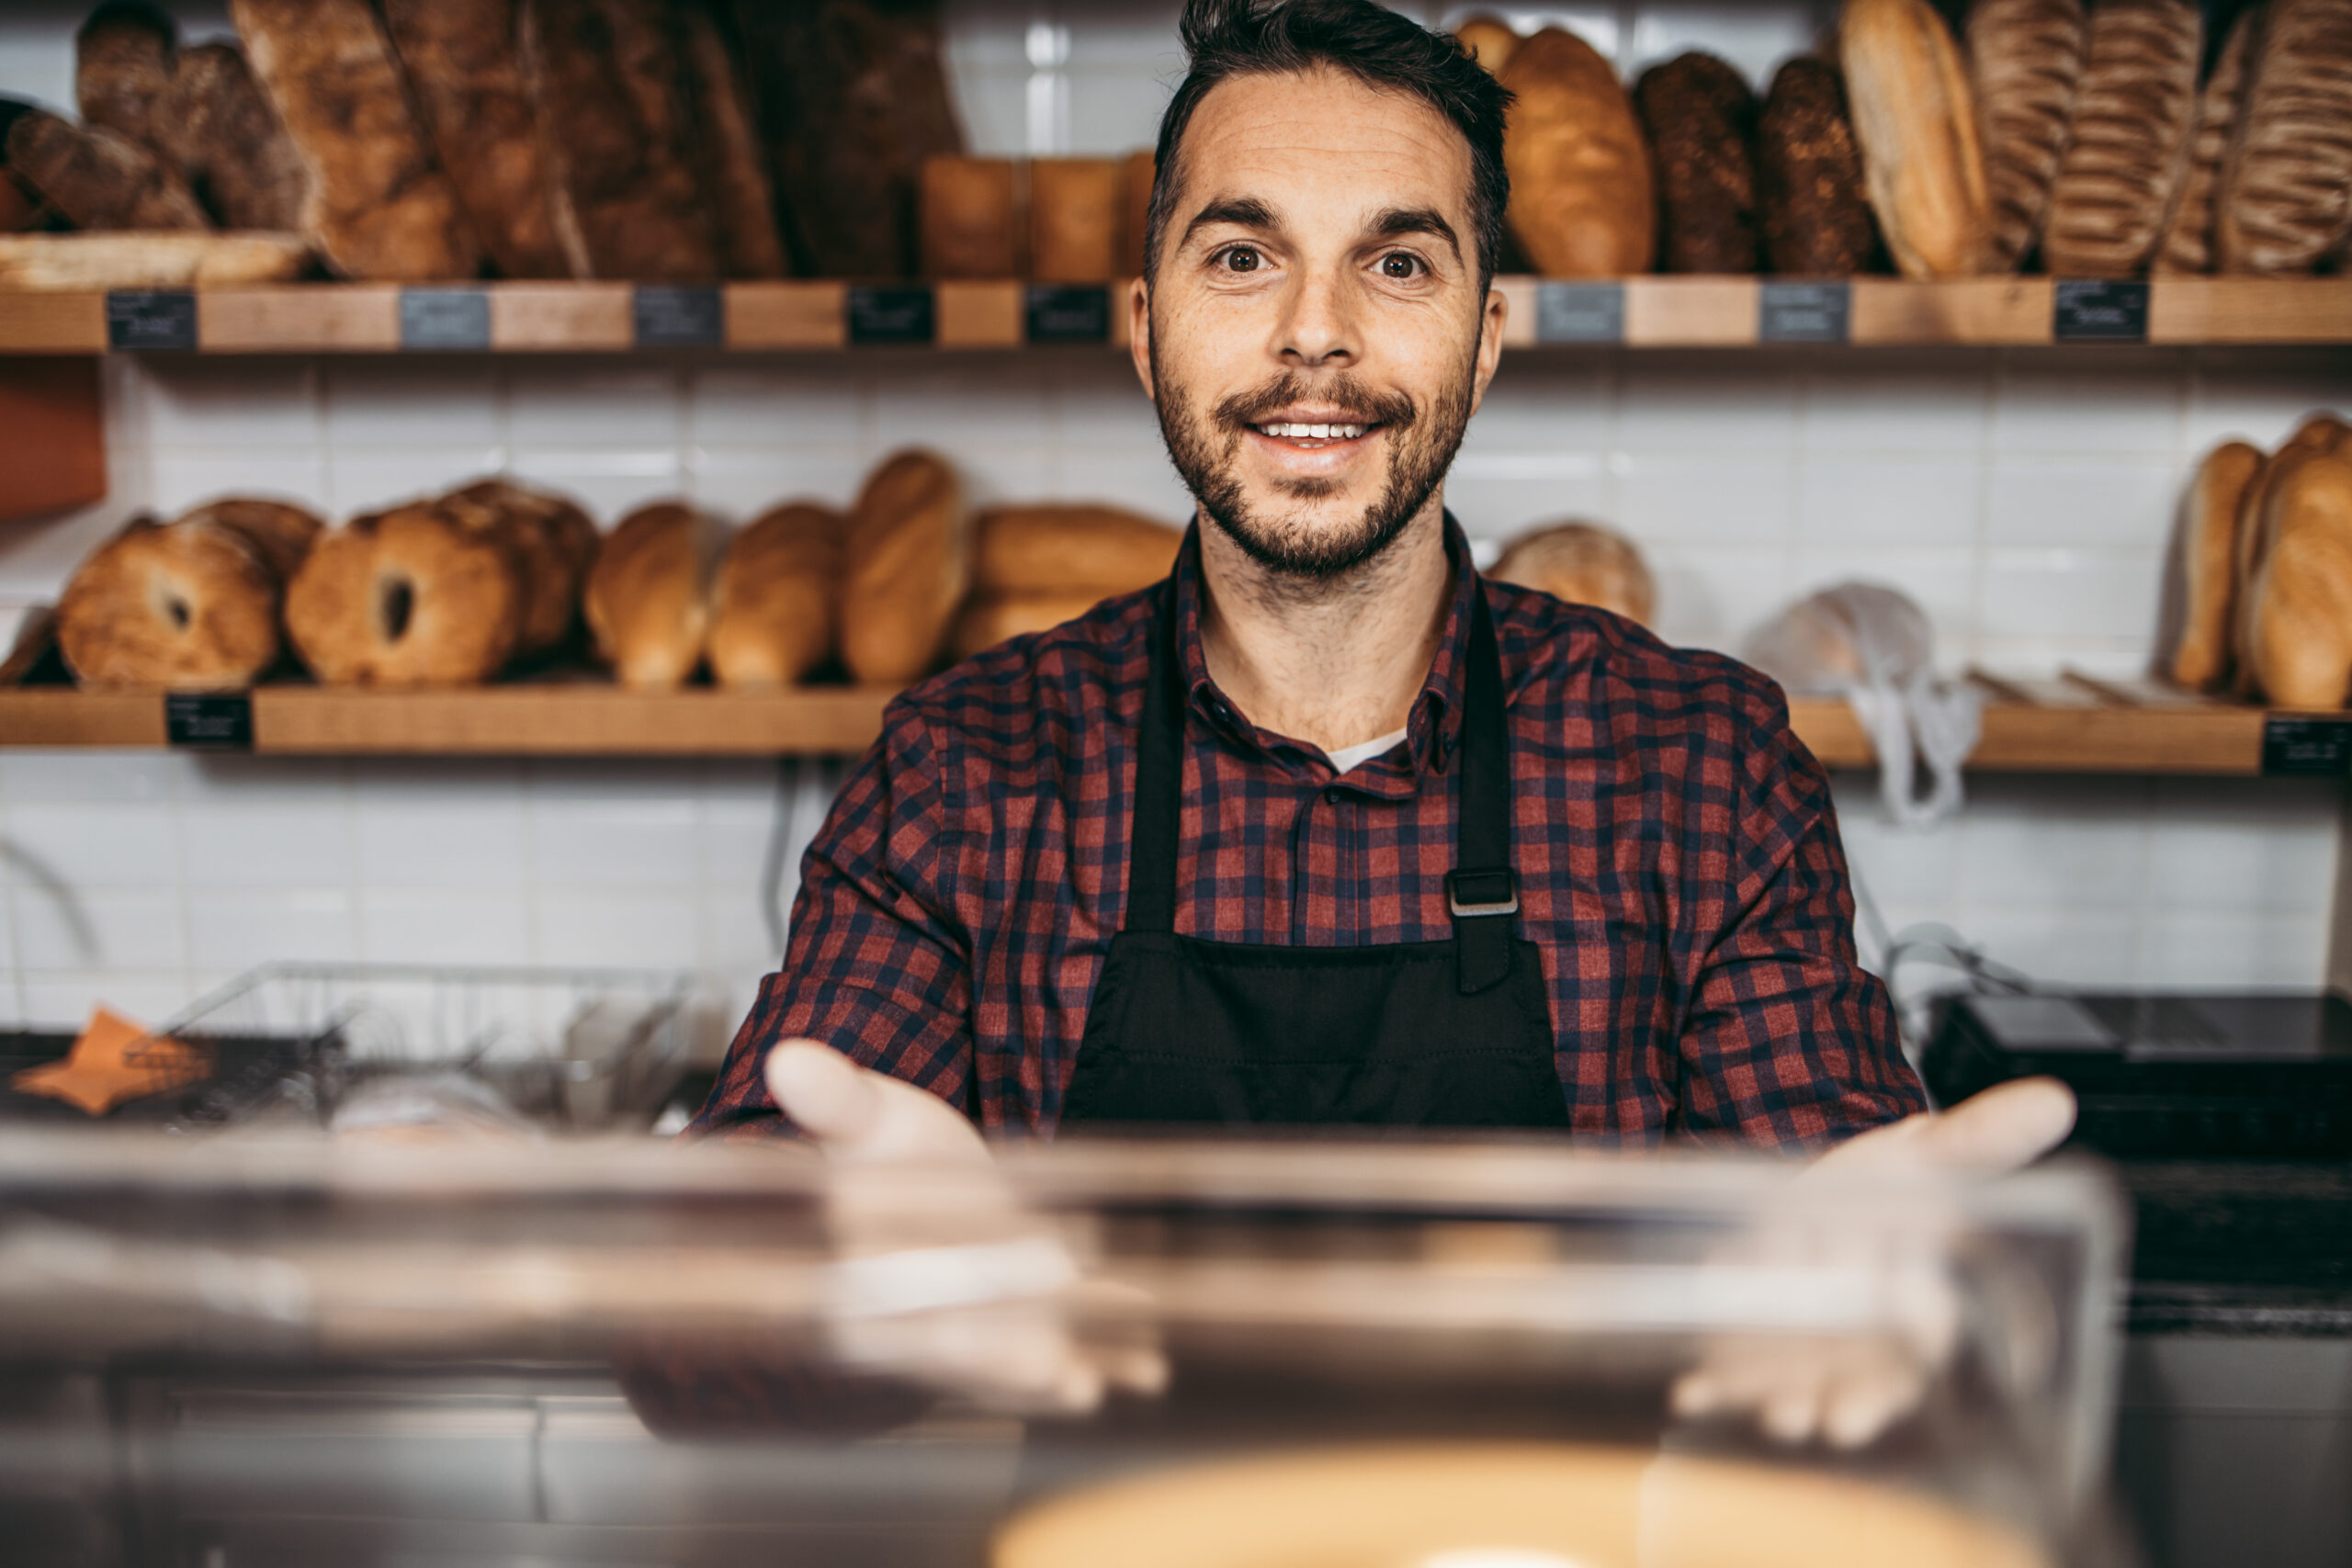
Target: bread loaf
(122,71)
(905,565)
(1702,122)
(2187,247)
(612,115)
(1583,563)
(1489,41)
(2318,435)
(1582,200)
(2127,150)
(1059,550)
(725,134)
(1134,179)
(1915,121)
(464,63)
(185,606)
(281,534)
(1076,216)
(377,206)
(772,617)
(409,597)
(2301,641)
(970,217)
(1814,219)
(2286,199)
(548,564)
(649,595)
(97,179)
(187,259)
(2025,68)
(2208,527)
(989,619)
(218,128)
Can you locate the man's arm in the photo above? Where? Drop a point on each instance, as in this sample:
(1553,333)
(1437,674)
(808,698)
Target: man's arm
(877,965)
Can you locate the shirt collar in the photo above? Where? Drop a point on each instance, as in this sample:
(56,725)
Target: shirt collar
(1433,729)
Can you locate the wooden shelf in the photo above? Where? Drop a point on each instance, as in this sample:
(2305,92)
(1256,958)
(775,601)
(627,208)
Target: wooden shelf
(823,316)
(2071,725)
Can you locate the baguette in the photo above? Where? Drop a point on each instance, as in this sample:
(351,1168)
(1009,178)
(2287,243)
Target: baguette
(97,179)
(1583,202)
(2026,68)
(2318,435)
(1076,216)
(772,617)
(970,223)
(1700,119)
(905,566)
(1814,219)
(1062,550)
(648,601)
(2300,632)
(990,619)
(2200,659)
(1916,120)
(218,126)
(2187,246)
(2127,150)
(2286,200)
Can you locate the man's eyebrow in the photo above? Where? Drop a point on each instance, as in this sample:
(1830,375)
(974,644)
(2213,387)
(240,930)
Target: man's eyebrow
(1417,221)
(1242,211)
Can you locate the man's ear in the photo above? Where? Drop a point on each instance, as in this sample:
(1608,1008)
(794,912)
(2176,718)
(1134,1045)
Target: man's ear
(1140,332)
(1490,343)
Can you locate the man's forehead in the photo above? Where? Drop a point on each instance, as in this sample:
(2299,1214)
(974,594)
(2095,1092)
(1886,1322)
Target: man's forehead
(1325,136)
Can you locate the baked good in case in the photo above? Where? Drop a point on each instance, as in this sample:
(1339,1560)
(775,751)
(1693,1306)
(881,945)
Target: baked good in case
(905,565)
(1814,218)
(377,205)
(2025,63)
(2286,198)
(1916,120)
(540,534)
(1488,40)
(190,605)
(993,618)
(2299,637)
(408,597)
(2186,246)
(772,604)
(1077,216)
(1054,549)
(2209,529)
(2320,435)
(97,179)
(1583,563)
(725,135)
(971,226)
(1582,199)
(1701,118)
(218,128)
(2127,150)
(123,69)
(647,600)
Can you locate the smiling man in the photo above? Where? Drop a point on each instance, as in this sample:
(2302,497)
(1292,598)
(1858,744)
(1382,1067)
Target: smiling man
(1326,829)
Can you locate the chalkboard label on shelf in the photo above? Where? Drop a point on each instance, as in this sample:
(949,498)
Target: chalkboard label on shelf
(1067,312)
(209,721)
(1579,312)
(671,315)
(2100,310)
(445,318)
(151,317)
(2306,747)
(1803,313)
(890,315)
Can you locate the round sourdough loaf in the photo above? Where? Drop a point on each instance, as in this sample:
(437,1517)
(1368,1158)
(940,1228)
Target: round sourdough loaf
(1582,200)
(190,605)
(772,605)
(1583,563)
(408,597)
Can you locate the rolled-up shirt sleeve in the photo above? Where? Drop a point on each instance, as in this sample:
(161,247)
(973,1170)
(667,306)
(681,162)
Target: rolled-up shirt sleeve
(876,966)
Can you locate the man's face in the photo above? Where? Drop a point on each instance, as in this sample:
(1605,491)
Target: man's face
(1314,337)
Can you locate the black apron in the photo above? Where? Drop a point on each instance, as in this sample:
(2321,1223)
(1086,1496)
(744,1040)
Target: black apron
(1453,1033)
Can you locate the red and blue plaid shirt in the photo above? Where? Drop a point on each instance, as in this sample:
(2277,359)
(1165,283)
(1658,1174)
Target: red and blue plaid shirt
(1678,867)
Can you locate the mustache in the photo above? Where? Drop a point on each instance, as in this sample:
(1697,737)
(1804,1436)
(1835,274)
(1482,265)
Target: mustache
(1361,403)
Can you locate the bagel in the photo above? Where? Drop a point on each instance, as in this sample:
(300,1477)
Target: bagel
(772,614)
(553,542)
(409,597)
(649,595)
(190,605)
(1583,563)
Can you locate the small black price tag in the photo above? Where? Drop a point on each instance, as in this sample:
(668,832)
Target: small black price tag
(1579,312)
(150,319)
(889,315)
(1067,312)
(2100,310)
(679,316)
(1803,313)
(209,721)
(445,318)
(2306,747)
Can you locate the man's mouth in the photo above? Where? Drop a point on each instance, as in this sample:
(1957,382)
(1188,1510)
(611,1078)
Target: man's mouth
(1310,438)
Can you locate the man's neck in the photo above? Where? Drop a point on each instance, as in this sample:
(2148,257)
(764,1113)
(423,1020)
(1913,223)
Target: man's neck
(1336,661)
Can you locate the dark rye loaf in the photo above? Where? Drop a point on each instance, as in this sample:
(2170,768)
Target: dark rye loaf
(1815,217)
(1701,118)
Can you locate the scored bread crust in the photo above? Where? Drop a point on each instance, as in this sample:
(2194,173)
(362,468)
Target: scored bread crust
(2026,66)
(2300,629)
(725,137)
(122,71)
(906,562)
(1700,117)
(189,605)
(218,125)
(648,600)
(1583,197)
(772,604)
(2128,150)
(1582,563)
(377,205)
(408,597)
(2188,246)
(2286,200)
(2200,659)
(98,179)
(1814,216)
(1916,120)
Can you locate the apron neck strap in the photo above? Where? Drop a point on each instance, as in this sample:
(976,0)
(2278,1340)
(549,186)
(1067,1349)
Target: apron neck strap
(1158,819)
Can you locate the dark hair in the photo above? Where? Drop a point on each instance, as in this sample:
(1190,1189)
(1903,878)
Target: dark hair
(1245,37)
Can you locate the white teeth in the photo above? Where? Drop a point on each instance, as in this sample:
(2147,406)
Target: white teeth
(1316,432)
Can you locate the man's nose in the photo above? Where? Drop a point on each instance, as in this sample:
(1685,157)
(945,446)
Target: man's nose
(1317,327)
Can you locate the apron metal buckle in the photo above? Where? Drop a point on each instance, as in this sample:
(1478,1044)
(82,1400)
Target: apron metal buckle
(1470,894)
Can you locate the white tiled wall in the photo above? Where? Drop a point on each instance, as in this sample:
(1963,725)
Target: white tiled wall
(2024,499)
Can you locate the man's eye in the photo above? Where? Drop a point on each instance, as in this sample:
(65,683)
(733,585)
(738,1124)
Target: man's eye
(1241,258)
(1396,264)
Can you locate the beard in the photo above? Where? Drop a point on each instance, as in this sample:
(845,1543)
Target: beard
(1205,446)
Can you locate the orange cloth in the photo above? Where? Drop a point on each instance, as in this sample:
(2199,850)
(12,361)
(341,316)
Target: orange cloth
(116,1060)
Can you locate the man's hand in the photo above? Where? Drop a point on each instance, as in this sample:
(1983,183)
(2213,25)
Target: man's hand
(858,1117)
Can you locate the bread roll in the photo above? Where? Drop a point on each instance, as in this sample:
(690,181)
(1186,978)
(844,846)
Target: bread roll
(280,533)
(549,567)
(2286,198)
(649,595)
(1915,121)
(970,217)
(2025,68)
(1489,41)
(464,63)
(1583,563)
(2127,150)
(905,565)
(409,597)
(1059,550)
(612,114)
(378,207)
(2301,641)
(1077,214)
(97,179)
(1582,200)
(186,259)
(1134,179)
(122,71)
(186,607)
(217,124)
(771,615)
(992,618)
(1814,219)
(2200,659)
(2186,247)
(1701,118)
(725,135)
